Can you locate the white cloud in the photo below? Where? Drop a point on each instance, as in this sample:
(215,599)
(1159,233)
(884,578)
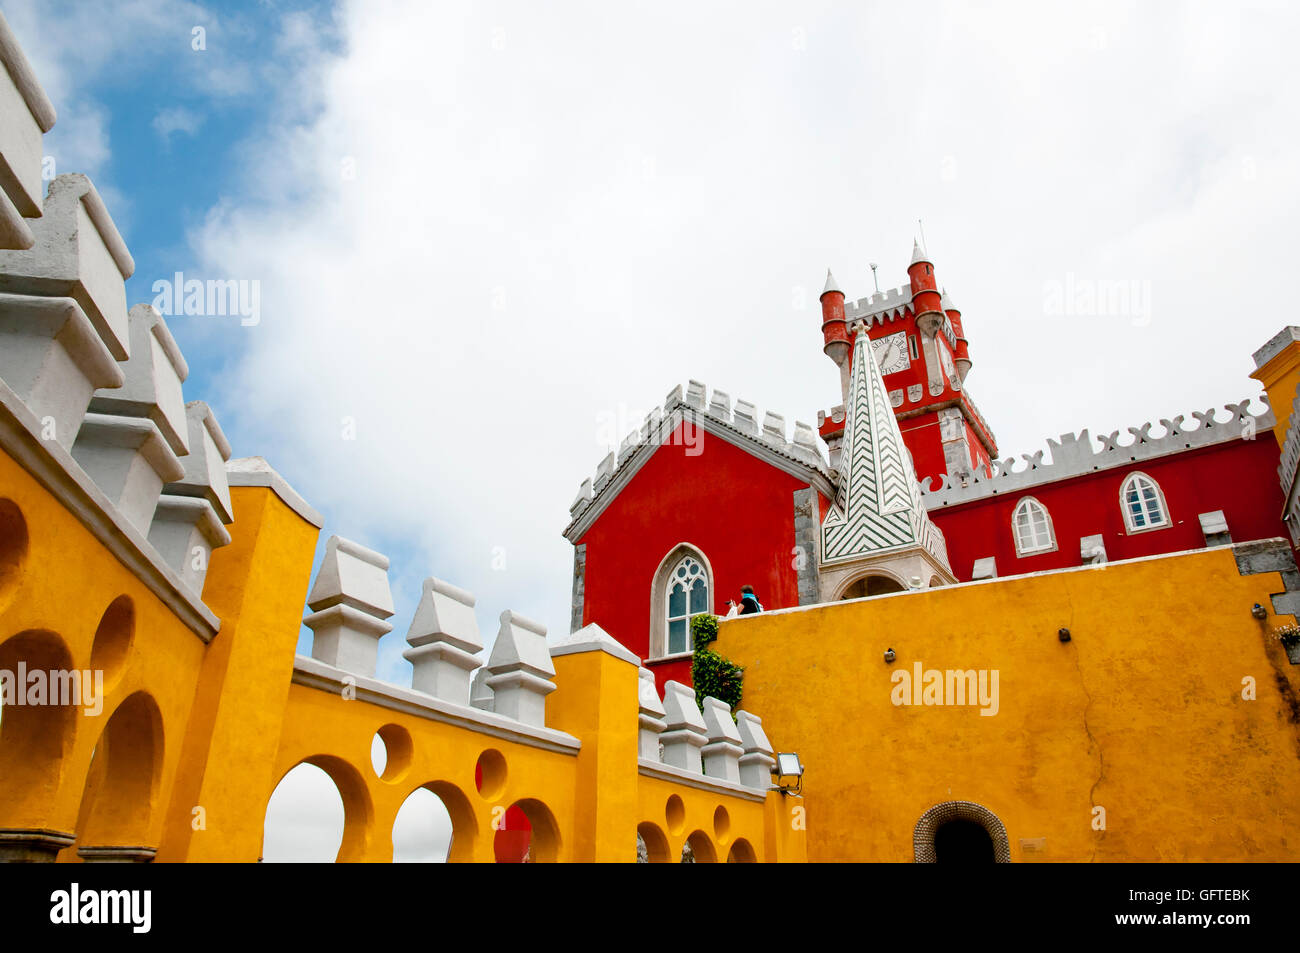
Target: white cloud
(506,226)
(176,119)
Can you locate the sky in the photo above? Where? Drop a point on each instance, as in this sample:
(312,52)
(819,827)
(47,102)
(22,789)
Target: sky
(488,237)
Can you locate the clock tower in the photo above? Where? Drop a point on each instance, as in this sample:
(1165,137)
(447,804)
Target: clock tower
(919,344)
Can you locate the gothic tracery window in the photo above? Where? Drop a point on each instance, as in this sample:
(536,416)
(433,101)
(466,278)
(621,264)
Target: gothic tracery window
(1033,528)
(1143,503)
(687,595)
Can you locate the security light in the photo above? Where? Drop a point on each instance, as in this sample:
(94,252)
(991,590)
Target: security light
(788,766)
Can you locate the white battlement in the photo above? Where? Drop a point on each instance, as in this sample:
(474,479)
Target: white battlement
(1073,454)
(691,406)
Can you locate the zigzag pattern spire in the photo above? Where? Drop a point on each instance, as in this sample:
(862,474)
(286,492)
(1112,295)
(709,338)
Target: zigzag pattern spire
(878,504)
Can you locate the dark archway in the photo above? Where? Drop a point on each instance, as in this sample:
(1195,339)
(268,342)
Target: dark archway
(960,843)
(871,586)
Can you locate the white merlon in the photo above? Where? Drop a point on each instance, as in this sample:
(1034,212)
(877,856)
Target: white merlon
(1075,454)
(684,732)
(445,642)
(350,600)
(78,253)
(757,762)
(694,394)
(521,670)
(986,568)
(774,427)
(582,499)
(746,417)
(720,406)
(1275,345)
(650,716)
(187,523)
(28,115)
(53,359)
(592,638)
(130,460)
(480,693)
(255,471)
(721,756)
(154,375)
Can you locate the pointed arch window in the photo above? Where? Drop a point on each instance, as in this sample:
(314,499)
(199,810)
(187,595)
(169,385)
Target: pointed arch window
(1143,504)
(1032,525)
(682,589)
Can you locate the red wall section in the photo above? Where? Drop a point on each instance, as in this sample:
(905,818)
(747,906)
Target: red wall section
(735,508)
(1238,477)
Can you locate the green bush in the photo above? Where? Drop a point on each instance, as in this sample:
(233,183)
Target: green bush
(713,675)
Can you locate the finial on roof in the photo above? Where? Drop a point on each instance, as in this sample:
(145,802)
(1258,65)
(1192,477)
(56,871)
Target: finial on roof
(918,253)
(830,283)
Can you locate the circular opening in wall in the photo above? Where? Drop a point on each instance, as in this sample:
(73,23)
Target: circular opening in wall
(675,814)
(490,774)
(390,752)
(13,549)
(113,639)
(721,823)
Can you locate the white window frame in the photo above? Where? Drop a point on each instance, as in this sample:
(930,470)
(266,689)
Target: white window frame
(1028,502)
(1166,519)
(660,589)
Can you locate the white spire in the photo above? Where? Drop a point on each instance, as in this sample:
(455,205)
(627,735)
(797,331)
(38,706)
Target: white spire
(877,507)
(919,254)
(945,302)
(830,283)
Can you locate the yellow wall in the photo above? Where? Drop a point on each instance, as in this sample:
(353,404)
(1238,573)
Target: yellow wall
(215,726)
(1281,378)
(1141,713)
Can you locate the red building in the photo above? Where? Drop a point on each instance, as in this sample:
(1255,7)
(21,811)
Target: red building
(706,497)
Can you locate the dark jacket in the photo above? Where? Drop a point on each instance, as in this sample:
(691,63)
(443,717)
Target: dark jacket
(749,604)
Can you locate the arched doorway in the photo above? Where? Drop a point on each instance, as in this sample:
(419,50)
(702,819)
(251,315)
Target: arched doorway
(960,832)
(870,585)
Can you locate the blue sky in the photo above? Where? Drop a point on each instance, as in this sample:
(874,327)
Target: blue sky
(485,231)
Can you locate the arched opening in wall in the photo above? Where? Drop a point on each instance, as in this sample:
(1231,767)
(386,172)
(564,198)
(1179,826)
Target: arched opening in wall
(113,639)
(35,736)
(121,797)
(424,830)
(318,813)
(537,841)
(742,852)
(13,550)
(698,849)
(651,844)
(871,585)
(962,842)
(960,832)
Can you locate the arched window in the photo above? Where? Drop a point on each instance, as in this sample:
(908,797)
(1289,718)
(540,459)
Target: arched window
(1143,503)
(1033,528)
(682,589)
(688,595)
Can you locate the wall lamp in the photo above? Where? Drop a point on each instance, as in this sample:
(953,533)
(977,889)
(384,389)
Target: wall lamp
(788,766)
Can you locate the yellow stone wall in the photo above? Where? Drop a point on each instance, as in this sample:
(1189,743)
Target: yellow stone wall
(1141,713)
(204,731)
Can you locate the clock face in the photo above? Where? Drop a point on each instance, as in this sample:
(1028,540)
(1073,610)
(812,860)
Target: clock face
(948,368)
(891,353)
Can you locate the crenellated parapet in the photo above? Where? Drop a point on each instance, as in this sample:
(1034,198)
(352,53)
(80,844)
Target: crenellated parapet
(765,434)
(1074,454)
